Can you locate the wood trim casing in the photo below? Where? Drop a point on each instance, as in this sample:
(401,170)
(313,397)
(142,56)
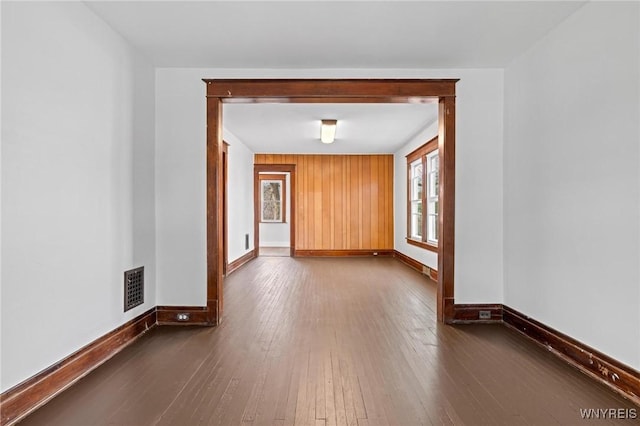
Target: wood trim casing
(447,208)
(612,373)
(225,204)
(283,179)
(420,153)
(241,261)
(215,213)
(421,244)
(22,399)
(280,168)
(327,90)
(324,91)
(344,253)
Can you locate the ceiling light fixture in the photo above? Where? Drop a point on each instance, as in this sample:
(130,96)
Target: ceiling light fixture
(328,131)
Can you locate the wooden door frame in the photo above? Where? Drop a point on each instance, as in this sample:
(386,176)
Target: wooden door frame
(221,91)
(225,212)
(277,168)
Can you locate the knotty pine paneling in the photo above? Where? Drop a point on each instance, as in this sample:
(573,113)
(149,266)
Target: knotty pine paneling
(342,201)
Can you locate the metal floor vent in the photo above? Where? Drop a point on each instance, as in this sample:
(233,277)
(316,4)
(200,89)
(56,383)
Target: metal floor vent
(133,288)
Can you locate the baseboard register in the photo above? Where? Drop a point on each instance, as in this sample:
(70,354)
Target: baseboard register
(24,398)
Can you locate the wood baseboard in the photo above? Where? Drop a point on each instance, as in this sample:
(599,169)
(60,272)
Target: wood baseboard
(182,315)
(617,376)
(470,313)
(241,261)
(27,396)
(344,253)
(418,266)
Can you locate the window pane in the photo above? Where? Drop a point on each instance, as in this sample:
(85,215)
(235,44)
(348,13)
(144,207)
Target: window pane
(416,207)
(416,188)
(433,185)
(434,161)
(432,228)
(416,226)
(271,201)
(432,207)
(271,211)
(416,169)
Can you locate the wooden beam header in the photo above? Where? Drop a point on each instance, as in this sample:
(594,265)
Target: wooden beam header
(313,91)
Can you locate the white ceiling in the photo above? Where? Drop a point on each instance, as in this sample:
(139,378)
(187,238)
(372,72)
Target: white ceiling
(331,34)
(295,128)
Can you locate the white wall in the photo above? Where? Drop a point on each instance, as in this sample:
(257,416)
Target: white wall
(427,257)
(478,221)
(277,234)
(572,184)
(180,174)
(239,196)
(77,146)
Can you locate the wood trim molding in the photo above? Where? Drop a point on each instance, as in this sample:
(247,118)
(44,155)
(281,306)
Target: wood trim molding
(241,261)
(283,202)
(219,91)
(409,261)
(429,146)
(447,207)
(344,253)
(323,90)
(34,392)
(416,265)
(421,244)
(270,168)
(470,313)
(215,213)
(617,376)
(182,315)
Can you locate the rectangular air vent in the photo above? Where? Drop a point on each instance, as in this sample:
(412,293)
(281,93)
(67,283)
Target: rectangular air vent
(133,288)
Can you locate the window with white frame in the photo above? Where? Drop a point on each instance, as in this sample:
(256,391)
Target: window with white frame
(415,199)
(433,168)
(423,167)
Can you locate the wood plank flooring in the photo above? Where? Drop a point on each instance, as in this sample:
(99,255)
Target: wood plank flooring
(324,342)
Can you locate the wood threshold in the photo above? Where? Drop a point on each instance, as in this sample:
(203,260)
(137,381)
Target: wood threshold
(22,399)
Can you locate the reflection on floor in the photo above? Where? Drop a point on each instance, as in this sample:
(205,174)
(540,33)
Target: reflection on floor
(274,251)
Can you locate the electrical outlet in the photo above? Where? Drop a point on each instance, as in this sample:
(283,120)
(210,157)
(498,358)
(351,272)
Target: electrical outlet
(375,253)
(182,316)
(484,315)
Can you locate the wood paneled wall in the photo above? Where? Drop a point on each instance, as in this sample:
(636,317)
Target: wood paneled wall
(343,202)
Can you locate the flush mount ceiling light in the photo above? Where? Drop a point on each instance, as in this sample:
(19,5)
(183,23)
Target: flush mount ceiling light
(328,131)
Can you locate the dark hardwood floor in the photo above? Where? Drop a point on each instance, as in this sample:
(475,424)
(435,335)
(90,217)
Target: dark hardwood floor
(318,341)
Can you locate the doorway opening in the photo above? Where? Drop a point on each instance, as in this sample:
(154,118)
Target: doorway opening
(221,91)
(274,209)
